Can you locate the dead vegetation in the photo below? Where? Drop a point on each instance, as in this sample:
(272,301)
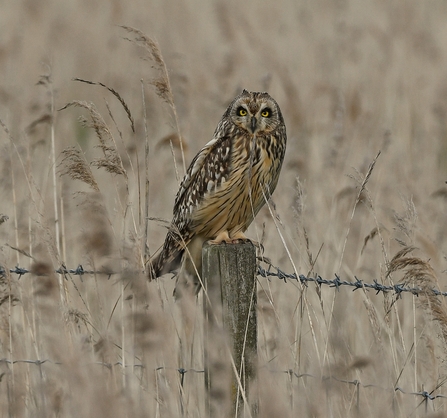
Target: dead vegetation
(363,92)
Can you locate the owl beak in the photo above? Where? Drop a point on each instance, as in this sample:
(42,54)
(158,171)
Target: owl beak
(253,124)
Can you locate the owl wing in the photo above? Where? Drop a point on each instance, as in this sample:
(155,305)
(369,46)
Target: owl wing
(206,171)
(209,167)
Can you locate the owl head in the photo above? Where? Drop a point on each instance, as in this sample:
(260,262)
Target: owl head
(255,112)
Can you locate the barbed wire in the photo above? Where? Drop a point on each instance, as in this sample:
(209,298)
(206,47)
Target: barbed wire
(36,362)
(425,395)
(396,289)
(78,271)
(271,271)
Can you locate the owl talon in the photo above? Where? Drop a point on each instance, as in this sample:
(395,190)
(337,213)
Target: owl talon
(240,240)
(221,237)
(245,239)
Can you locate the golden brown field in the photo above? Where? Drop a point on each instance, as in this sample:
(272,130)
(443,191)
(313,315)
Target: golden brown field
(352,78)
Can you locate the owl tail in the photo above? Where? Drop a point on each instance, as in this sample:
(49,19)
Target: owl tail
(166,260)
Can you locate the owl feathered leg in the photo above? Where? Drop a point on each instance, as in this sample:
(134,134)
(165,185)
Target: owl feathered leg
(221,237)
(224,236)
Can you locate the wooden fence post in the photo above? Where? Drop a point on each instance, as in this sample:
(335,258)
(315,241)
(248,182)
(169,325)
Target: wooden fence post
(229,277)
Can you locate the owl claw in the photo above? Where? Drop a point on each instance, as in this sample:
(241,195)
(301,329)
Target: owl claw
(257,244)
(238,238)
(224,237)
(221,237)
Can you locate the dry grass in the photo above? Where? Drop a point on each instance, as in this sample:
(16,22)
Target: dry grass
(352,79)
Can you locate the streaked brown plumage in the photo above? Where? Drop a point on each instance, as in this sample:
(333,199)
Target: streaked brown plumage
(225,186)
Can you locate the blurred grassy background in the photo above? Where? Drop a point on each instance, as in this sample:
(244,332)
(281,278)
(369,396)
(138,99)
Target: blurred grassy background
(351,77)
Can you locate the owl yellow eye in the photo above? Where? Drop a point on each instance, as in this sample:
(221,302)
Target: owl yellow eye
(266,113)
(241,111)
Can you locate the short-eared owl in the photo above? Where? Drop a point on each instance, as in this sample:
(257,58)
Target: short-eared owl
(225,186)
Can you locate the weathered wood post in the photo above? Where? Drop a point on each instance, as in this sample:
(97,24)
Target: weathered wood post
(229,276)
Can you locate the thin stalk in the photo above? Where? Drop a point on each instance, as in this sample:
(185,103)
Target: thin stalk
(146,165)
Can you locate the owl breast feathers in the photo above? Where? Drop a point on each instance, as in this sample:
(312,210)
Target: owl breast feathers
(226,184)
